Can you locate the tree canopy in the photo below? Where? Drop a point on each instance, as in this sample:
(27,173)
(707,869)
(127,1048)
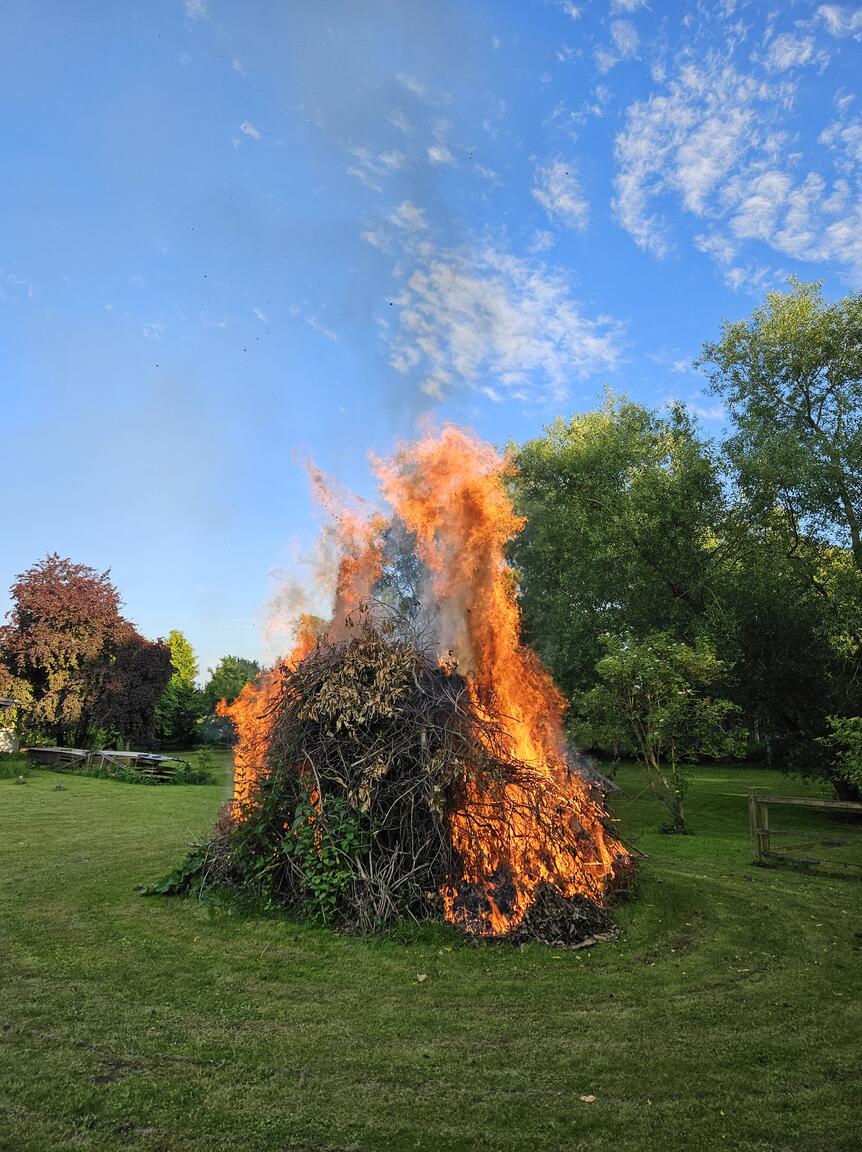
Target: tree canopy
(228,679)
(181,705)
(622,506)
(791,377)
(183,659)
(66,650)
(656,698)
(638,526)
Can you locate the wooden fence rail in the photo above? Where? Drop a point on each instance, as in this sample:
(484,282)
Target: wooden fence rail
(761,834)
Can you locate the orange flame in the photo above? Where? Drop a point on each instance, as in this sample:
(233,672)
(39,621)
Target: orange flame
(359,559)
(450,490)
(251,712)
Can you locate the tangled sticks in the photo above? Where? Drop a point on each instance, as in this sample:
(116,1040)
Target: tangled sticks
(384,781)
(370,743)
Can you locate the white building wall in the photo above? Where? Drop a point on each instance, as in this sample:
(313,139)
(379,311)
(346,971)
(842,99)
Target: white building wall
(8,740)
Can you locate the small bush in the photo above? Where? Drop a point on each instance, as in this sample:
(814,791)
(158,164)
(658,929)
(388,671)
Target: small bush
(198,773)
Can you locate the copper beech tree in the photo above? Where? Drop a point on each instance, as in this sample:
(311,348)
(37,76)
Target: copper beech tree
(74,661)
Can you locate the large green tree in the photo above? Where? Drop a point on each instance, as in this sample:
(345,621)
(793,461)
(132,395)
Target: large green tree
(181,705)
(228,679)
(623,506)
(124,708)
(183,659)
(791,377)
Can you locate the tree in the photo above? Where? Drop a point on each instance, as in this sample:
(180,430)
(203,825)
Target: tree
(623,506)
(182,703)
(791,376)
(228,679)
(133,684)
(65,631)
(788,645)
(654,699)
(845,740)
(183,658)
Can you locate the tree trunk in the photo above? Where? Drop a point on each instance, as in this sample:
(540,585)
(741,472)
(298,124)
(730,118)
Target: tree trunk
(844,790)
(667,795)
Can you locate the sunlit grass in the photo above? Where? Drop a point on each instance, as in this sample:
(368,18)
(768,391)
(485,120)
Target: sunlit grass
(726,1016)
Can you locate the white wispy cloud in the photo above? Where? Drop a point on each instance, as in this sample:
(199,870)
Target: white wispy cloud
(626,42)
(393,160)
(625,37)
(790,51)
(440,154)
(687,140)
(556,188)
(411,84)
(486,318)
(312,321)
(844,140)
(627,5)
(707,411)
(196,9)
(741,275)
(153,330)
(373,169)
(841,21)
(14,287)
(605,59)
(376,238)
(248,129)
(712,138)
(409,217)
(543,241)
(571,10)
(365,177)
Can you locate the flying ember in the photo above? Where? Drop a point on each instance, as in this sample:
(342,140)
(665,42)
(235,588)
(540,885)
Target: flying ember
(414,738)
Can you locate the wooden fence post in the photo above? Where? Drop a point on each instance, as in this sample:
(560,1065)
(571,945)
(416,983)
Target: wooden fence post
(752,821)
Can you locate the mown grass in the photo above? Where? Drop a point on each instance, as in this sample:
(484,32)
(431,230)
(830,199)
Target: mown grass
(726,1016)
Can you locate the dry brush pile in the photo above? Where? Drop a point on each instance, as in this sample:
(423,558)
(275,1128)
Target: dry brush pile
(371,747)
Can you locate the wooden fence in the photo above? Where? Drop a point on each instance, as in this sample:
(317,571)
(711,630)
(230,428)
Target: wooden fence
(761,833)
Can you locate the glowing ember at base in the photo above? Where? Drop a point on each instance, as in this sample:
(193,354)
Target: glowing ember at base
(411,759)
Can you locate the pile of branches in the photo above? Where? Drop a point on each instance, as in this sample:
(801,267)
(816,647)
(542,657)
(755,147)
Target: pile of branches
(371,743)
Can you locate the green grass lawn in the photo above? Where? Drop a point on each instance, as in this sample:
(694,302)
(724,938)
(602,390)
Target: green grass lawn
(727,1015)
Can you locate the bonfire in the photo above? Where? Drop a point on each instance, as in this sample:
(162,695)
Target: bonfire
(408,758)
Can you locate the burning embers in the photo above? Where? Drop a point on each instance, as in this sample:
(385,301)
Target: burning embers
(409,757)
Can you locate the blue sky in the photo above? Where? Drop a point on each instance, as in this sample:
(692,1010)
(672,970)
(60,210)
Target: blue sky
(235,235)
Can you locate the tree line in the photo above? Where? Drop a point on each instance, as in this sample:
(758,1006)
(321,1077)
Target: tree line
(695,597)
(83,676)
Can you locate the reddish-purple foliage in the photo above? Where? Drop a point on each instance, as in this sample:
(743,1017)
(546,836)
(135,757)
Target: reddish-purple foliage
(78,659)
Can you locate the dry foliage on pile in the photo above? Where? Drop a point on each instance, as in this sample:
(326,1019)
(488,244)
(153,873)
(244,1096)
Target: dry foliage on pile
(371,743)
